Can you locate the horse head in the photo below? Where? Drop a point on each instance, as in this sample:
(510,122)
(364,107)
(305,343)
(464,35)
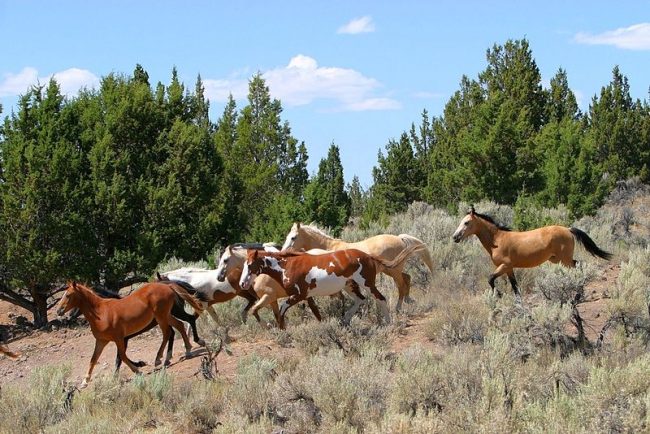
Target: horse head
(251,269)
(292,237)
(225,263)
(71,299)
(468,226)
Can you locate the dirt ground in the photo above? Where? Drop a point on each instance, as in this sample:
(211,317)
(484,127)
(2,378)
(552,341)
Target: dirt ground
(74,345)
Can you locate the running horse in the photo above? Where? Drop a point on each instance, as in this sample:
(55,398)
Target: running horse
(510,249)
(303,276)
(268,291)
(384,246)
(112,320)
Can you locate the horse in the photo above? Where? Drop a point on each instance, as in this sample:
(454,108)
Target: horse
(303,275)
(7,352)
(383,246)
(266,288)
(112,320)
(178,311)
(510,249)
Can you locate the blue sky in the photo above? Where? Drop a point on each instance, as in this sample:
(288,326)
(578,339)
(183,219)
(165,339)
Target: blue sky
(356,73)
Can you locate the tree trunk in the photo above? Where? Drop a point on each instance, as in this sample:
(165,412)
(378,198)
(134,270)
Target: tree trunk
(40,306)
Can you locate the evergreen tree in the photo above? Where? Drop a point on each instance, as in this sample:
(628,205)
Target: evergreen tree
(357,197)
(42,230)
(326,201)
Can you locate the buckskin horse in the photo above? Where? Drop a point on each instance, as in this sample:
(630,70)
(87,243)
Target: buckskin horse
(304,276)
(384,246)
(111,320)
(510,249)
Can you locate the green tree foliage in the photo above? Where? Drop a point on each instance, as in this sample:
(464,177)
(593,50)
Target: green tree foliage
(326,201)
(358,197)
(42,228)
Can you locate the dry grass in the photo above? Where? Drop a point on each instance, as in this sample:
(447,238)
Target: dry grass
(482,364)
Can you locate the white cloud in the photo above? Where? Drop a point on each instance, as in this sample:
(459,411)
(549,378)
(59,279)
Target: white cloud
(70,80)
(303,81)
(635,37)
(16,84)
(358,25)
(73,79)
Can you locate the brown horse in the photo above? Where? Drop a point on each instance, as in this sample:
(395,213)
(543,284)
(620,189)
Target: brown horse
(511,249)
(7,352)
(111,320)
(383,246)
(304,276)
(266,288)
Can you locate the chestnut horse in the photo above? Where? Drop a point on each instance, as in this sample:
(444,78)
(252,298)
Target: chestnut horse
(111,320)
(7,352)
(266,288)
(383,246)
(511,249)
(178,311)
(303,275)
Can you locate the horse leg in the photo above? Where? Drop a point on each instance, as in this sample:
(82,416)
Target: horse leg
(121,350)
(178,325)
(212,313)
(381,301)
(353,290)
(164,327)
(290,301)
(263,301)
(251,301)
(407,283)
(515,286)
(139,363)
(402,287)
(501,269)
(191,320)
(314,308)
(170,346)
(276,312)
(99,347)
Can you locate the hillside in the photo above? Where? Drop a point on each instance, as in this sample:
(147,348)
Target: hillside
(456,360)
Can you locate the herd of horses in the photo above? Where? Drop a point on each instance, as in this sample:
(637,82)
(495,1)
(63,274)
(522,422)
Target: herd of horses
(310,264)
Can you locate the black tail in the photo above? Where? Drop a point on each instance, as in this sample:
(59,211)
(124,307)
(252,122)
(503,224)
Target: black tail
(589,244)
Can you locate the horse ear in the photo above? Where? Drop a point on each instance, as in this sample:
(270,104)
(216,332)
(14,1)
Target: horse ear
(74,284)
(255,254)
(298,225)
(230,249)
(472,211)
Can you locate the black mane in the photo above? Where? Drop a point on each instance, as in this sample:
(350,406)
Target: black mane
(490,219)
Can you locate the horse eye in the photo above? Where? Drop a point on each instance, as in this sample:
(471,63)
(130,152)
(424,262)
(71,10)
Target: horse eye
(466,223)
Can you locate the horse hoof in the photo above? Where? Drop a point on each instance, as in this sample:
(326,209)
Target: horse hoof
(84,384)
(140,364)
(167,363)
(409,300)
(188,355)
(201,342)
(157,363)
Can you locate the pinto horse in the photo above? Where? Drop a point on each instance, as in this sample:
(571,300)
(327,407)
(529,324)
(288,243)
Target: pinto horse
(384,246)
(303,275)
(266,288)
(511,249)
(111,320)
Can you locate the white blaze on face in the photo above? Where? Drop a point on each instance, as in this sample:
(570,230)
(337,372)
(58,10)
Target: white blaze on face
(246,276)
(290,238)
(461,228)
(221,269)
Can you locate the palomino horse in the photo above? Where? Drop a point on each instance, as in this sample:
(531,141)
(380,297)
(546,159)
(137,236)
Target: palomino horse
(112,320)
(266,288)
(7,352)
(304,276)
(383,246)
(511,249)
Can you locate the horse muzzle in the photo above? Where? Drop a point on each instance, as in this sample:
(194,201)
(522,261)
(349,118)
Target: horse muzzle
(221,277)
(457,238)
(60,311)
